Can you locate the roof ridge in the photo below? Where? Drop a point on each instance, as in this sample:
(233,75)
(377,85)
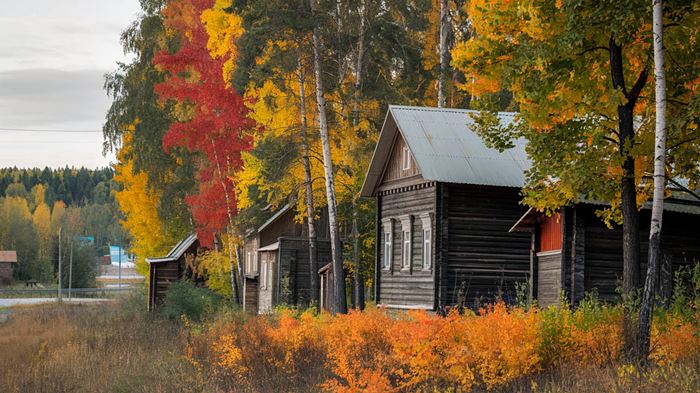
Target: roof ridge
(436,109)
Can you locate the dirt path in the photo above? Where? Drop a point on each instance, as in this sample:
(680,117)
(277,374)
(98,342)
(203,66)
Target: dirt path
(41,300)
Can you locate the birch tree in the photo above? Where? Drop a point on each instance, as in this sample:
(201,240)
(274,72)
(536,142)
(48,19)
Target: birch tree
(444,25)
(309,194)
(340,303)
(647,306)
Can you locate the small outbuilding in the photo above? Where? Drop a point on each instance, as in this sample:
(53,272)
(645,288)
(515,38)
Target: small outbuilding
(172,267)
(276,261)
(8,260)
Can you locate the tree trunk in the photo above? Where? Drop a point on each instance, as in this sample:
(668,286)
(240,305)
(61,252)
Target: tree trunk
(630,214)
(358,276)
(647,306)
(235,298)
(340,303)
(443,53)
(309,200)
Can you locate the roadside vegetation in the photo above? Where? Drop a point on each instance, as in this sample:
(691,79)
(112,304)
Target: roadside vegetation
(197,344)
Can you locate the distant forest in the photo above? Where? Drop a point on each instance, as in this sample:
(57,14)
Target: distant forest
(70,185)
(35,204)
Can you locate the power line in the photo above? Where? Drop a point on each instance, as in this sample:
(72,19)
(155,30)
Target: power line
(45,130)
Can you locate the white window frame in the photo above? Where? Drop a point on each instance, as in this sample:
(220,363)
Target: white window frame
(263,274)
(406,242)
(388,241)
(249,262)
(406,158)
(427,241)
(268,284)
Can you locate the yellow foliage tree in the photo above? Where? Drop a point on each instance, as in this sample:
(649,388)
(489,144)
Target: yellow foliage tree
(139,204)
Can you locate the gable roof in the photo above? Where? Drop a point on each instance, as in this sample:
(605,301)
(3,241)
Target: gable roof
(8,256)
(177,251)
(275,217)
(446,149)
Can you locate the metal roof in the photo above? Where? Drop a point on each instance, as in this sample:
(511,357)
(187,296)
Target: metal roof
(176,251)
(8,256)
(272,247)
(447,149)
(673,204)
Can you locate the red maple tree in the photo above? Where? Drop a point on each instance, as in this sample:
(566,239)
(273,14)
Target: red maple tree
(216,117)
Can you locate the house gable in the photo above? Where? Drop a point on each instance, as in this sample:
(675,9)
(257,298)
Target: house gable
(401,167)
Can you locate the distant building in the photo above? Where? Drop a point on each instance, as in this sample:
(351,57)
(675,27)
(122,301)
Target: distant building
(276,261)
(8,260)
(170,268)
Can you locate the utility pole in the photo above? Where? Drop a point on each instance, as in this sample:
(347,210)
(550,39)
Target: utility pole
(70,272)
(60,229)
(120,263)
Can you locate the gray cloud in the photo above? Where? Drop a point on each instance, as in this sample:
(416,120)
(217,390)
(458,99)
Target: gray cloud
(41,97)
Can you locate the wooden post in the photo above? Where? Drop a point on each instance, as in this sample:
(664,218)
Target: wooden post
(578,256)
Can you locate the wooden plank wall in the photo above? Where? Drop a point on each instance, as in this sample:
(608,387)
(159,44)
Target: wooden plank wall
(480,250)
(394,167)
(294,264)
(549,278)
(165,273)
(413,287)
(251,295)
(680,241)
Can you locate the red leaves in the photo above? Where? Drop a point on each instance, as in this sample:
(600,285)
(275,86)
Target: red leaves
(212,118)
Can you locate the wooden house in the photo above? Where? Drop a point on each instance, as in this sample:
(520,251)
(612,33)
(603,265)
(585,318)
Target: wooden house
(172,267)
(445,204)
(8,260)
(276,261)
(573,252)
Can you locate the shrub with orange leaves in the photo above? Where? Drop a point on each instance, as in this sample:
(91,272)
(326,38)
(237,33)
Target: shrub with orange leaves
(381,351)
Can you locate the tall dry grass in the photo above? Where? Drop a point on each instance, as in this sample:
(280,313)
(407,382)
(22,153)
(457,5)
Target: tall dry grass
(95,348)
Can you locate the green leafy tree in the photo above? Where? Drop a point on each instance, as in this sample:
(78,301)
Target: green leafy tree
(579,74)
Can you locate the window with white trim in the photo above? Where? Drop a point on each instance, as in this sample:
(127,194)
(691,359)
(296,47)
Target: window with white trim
(406,235)
(406,158)
(427,241)
(268,285)
(263,274)
(249,262)
(387,223)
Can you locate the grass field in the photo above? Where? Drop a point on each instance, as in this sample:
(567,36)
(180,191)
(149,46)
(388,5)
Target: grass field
(120,348)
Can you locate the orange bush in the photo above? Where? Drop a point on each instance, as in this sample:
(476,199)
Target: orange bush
(378,351)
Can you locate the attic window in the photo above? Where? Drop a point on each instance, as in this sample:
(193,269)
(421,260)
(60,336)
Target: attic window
(406,158)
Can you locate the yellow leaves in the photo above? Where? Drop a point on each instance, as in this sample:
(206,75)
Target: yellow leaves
(139,204)
(224,30)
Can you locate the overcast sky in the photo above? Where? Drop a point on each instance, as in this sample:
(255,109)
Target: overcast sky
(53,57)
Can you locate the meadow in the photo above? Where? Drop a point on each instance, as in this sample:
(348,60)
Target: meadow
(200,345)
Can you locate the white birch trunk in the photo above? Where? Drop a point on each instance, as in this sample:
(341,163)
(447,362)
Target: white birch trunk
(647,306)
(229,231)
(443,53)
(340,303)
(313,257)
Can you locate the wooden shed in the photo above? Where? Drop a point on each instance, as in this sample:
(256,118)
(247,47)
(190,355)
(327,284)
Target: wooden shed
(574,252)
(172,267)
(8,260)
(445,203)
(276,261)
